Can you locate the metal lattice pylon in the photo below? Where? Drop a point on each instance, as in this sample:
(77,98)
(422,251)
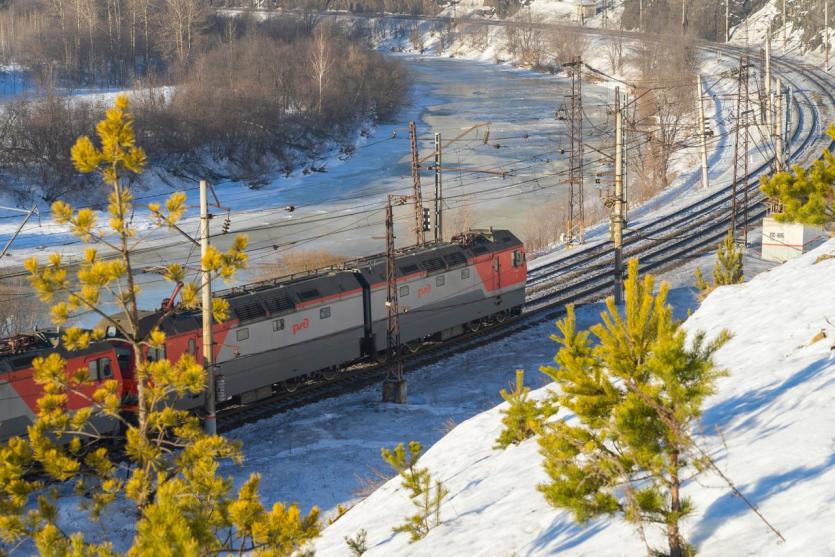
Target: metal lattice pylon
(394,371)
(574,100)
(395,383)
(762,89)
(741,146)
(420,236)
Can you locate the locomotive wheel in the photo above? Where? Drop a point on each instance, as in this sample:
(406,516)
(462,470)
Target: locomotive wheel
(291,385)
(381,357)
(330,373)
(473,326)
(501,317)
(414,346)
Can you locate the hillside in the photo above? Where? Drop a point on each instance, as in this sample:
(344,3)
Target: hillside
(776,420)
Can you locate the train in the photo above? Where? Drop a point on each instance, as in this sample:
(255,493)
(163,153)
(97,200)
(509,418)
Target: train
(289,330)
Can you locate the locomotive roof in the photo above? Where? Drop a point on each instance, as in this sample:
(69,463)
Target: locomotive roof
(409,260)
(282,295)
(28,346)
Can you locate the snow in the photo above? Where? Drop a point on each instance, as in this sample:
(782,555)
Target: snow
(754,32)
(776,420)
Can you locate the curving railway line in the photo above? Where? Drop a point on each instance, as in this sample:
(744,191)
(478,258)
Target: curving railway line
(586,274)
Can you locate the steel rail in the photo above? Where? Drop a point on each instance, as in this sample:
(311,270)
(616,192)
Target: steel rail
(659,244)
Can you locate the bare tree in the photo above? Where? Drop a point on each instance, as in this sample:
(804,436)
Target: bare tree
(565,45)
(321,61)
(664,111)
(614,51)
(20,310)
(179,20)
(531,46)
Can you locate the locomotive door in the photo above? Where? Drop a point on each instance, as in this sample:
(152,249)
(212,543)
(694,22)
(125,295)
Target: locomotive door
(497,271)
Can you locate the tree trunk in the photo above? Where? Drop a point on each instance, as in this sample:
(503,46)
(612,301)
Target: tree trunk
(677,547)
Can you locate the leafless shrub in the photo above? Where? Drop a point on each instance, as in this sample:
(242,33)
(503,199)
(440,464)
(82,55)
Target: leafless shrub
(298,261)
(368,484)
(564,45)
(544,227)
(664,110)
(20,310)
(459,220)
(448,425)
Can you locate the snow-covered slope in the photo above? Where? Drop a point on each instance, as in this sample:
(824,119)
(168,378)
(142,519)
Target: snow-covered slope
(774,412)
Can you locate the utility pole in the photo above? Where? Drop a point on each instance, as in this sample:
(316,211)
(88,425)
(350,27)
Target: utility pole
(394,386)
(777,134)
(740,178)
(826,35)
(29,213)
(761,92)
(439,192)
(683,17)
(618,221)
(576,217)
(702,133)
(768,109)
(787,142)
(420,237)
(210,424)
(727,21)
(641,16)
(784,26)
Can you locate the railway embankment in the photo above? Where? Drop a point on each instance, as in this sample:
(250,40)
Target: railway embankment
(768,428)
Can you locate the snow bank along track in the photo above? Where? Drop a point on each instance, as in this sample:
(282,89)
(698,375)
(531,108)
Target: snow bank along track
(586,274)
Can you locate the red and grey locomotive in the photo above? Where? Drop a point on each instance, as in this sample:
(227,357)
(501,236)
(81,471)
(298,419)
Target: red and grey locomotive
(284,331)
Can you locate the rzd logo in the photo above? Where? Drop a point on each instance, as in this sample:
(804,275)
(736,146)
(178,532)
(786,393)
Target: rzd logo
(424,291)
(299,326)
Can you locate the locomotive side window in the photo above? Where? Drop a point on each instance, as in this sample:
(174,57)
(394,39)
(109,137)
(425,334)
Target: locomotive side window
(100,369)
(192,347)
(93,370)
(465,274)
(404,290)
(156,354)
(440,280)
(278,325)
(105,369)
(324,313)
(243,334)
(518,258)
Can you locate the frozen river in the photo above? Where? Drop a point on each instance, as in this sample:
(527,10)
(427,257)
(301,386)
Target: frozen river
(523,140)
(510,115)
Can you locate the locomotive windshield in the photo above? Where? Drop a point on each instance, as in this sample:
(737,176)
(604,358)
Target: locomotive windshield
(125,359)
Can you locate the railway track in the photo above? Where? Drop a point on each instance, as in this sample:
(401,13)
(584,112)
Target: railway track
(586,274)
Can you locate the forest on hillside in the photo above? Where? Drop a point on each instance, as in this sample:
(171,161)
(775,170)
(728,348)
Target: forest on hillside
(215,97)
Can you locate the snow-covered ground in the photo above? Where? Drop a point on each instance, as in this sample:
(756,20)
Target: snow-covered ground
(776,420)
(327,453)
(786,40)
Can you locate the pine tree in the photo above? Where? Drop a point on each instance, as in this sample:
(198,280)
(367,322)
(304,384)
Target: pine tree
(357,545)
(168,467)
(728,267)
(636,393)
(523,417)
(807,195)
(426,494)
